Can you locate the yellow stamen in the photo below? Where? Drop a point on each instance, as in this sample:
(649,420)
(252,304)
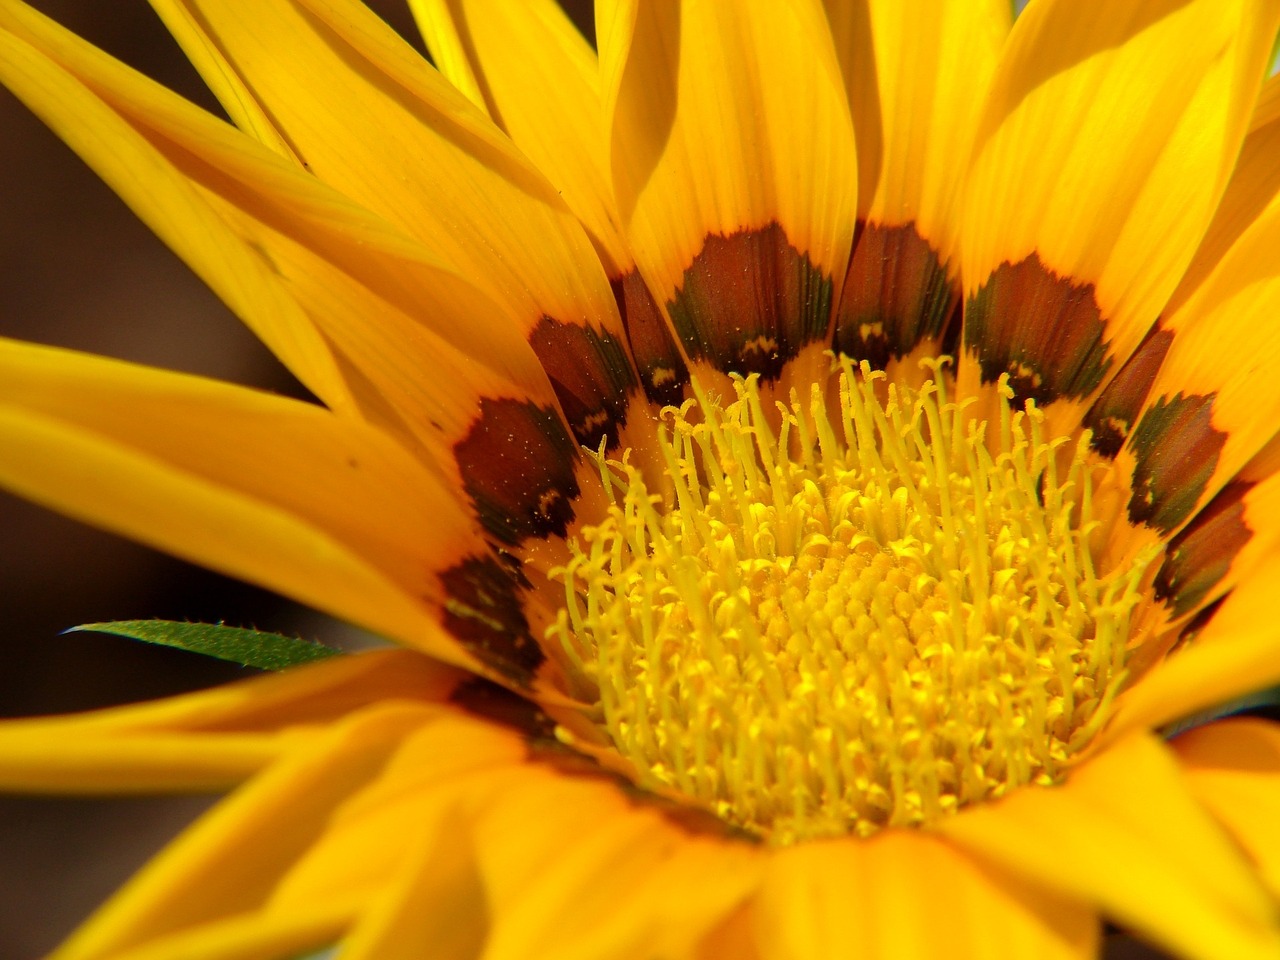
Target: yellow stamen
(840,625)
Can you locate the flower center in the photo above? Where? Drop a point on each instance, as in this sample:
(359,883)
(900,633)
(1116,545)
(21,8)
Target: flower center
(849,621)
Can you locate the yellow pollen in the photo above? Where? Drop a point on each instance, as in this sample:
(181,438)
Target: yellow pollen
(837,623)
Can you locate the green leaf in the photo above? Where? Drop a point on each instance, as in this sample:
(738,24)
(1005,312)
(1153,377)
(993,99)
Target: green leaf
(249,648)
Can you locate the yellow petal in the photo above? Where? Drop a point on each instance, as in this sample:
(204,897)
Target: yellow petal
(367,115)
(1223,545)
(910,895)
(734,168)
(547,100)
(1233,767)
(212,739)
(528,67)
(1124,835)
(583,877)
(360,486)
(487,419)
(689,895)
(913,120)
(1237,652)
(389,308)
(41,760)
(381,300)
(168,204)
(454,764)
(1100,157)
(230,860)
(913,116)
(1215,402)
(1253,187)
(438,909)
(247,936)
(273,491)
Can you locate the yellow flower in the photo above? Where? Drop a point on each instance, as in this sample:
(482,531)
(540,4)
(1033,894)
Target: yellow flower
(807,457)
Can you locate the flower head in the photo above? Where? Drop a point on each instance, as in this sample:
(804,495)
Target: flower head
(807,455)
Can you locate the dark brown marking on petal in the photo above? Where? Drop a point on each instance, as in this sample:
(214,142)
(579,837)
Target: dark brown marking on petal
(487,700)
(896,294)
(1201,620)
(1201,553)
(484,612)
(591,376)
(750,302)
(1044,330)
(663,373)
(1176,448)
(1112,414)
(517,466)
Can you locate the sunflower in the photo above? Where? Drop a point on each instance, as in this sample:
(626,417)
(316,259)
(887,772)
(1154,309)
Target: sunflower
(809,459)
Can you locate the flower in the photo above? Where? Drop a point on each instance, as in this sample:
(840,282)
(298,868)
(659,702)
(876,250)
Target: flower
(807,456)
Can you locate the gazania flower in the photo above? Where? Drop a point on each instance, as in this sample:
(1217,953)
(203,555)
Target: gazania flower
(806,456)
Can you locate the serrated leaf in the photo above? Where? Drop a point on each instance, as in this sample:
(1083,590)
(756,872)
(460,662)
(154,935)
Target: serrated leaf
(249,648)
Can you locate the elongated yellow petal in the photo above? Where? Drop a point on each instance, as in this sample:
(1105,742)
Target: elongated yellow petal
(246,936)
(1103,150)
(50,462)
(368,116)
(228,863)
(454,764)
(911,896)
(587,875)
(705,880)
(360,487)
(1124,834)
(488,421)
(1237,652)
(42,760)
(1234,769)
(1215,403)
(211,739)
(529,68)
(547,100)
(914,120)
(390,308)
(171,207)
(1225,544)
(437,909)
(1253,187)
(734,167)
(381,300)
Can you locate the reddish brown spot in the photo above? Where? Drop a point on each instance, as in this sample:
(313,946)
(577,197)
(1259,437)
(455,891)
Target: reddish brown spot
(750,302)
(1112,414)
(1177,449)
(663,373)
(591,376)
(1201,553)
(517,466)
(1044,330)
(483,610)
(498,704)
(896,294)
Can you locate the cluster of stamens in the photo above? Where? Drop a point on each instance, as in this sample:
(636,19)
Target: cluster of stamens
(848,616)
